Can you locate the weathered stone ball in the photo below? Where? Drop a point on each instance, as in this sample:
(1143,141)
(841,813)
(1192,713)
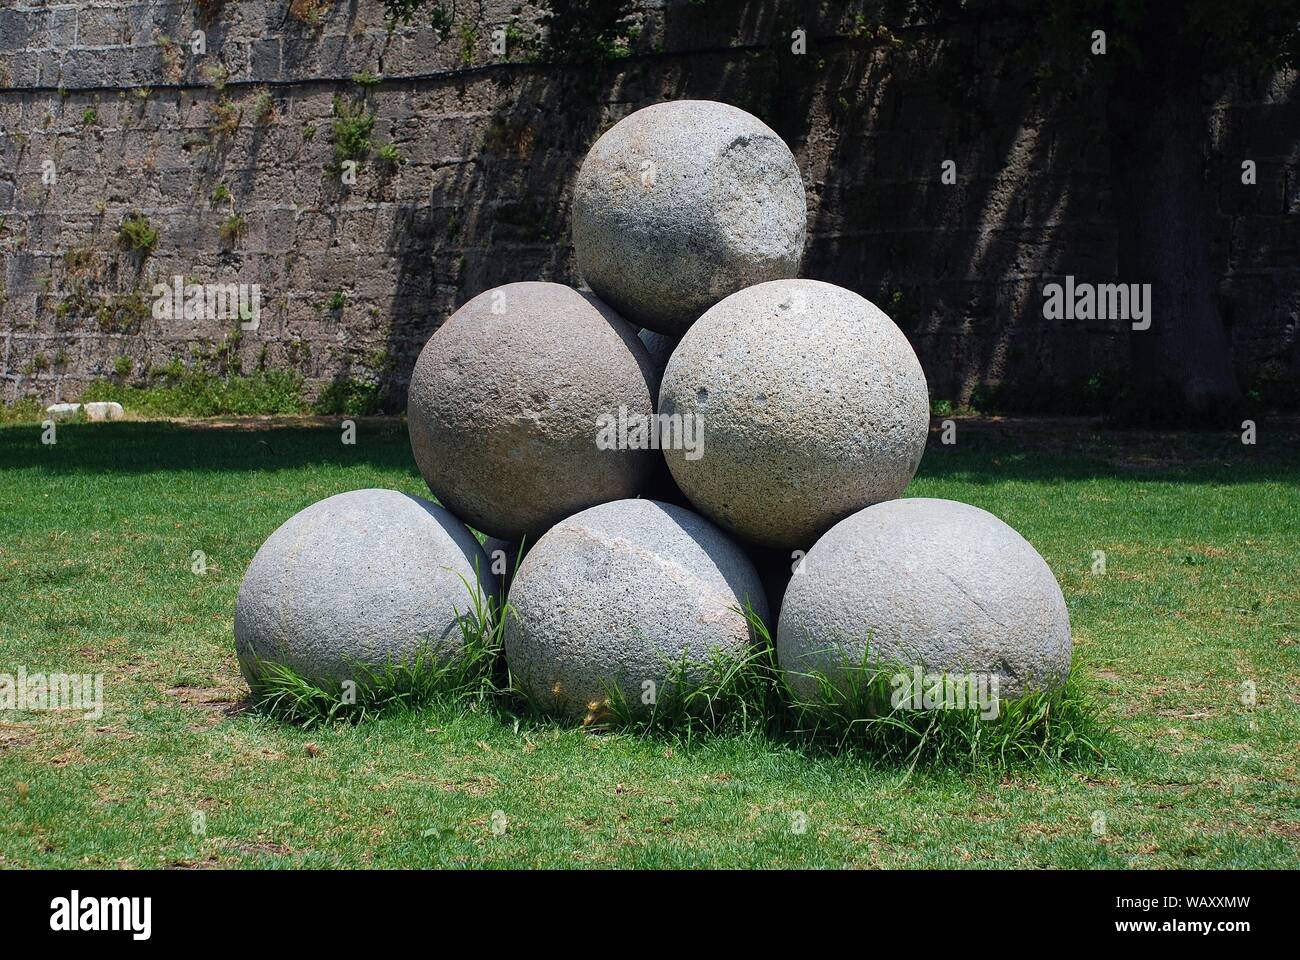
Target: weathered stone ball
(681,204)
(506,401)
(927,583)
(813,405)
(358,582)
(615,598)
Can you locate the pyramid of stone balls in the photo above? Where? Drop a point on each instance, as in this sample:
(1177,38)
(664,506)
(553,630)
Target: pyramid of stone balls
(699,434)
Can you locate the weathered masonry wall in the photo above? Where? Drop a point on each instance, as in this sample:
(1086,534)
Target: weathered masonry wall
(106,110)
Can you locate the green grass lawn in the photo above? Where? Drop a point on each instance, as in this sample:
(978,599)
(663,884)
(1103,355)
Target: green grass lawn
(97,535)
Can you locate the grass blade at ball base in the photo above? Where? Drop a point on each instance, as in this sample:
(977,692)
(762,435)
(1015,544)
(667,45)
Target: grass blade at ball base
(725,695)
(854,711)
(475,675)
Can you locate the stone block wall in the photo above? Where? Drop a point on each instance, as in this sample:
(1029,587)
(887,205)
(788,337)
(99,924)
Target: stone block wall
(108,111)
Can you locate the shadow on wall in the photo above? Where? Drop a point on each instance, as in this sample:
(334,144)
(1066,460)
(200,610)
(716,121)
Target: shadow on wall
(872,117)
(874,114)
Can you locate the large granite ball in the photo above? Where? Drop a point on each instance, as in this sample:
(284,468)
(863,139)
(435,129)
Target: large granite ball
(506,402)
(614,599)
(682,203)
(926,583)
(357,583)
(813,405)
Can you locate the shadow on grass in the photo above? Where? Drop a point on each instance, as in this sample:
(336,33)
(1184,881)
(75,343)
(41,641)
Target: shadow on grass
(233,446)
(852,714)
(986,450)
(994,450)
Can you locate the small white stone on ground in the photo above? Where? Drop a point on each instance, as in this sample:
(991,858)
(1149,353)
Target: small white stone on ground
(104,410)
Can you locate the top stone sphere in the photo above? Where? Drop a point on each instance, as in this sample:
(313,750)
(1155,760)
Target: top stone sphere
(506,402)
(681,204)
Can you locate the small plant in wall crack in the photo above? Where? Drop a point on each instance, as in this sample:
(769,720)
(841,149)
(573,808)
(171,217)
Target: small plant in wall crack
(351,127)
(468,41)
(217,76)
(173,68)
(263,108)
(225,117)
(136,234)
(234,227)
(310,12)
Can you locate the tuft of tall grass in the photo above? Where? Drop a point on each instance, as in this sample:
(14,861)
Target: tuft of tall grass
(474,676)
(724,695)
(855,711)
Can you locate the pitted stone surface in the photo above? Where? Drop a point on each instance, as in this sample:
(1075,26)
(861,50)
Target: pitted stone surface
(615,596)
(683,203)
(813,406)
(931,583)
(369,577)
(504,403)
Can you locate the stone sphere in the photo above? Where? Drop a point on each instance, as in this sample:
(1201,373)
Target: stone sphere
(681,204)
(505,403)
(812,403)
(619,595)
(358,582)
(934,584)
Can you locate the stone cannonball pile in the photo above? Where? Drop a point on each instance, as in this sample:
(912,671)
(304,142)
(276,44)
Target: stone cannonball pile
(662,452)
